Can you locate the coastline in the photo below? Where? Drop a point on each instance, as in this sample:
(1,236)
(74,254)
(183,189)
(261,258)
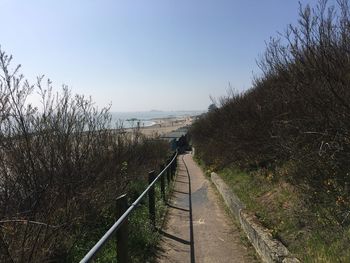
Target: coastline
(165,125)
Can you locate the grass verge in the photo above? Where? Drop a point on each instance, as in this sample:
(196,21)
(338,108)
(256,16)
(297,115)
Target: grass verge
(143,240)
(306,229)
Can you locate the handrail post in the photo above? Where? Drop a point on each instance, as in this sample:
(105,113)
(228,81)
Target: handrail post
(162,183)
(122,233)
(173,170)
(151,200)
(175,162)
(168,173)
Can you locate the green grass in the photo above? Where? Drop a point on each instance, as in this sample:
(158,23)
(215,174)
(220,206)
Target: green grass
(92,233)
(282,209)
(143,240)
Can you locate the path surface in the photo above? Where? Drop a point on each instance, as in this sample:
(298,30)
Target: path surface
(198,229)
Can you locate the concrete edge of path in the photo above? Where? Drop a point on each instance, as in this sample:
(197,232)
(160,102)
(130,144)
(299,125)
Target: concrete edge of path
(270,250)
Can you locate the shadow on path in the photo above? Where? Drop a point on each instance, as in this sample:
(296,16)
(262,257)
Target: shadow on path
(183,241)
(198,228)
(191,216)
(179,208)
(180,192)
(178,236)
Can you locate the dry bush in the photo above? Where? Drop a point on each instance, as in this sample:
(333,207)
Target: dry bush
(297,111)
(61,166)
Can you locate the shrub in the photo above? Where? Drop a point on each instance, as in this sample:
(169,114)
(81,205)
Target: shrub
(297,111)
(61,168)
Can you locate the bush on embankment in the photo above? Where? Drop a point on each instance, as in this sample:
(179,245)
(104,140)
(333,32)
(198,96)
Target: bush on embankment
(294,121)
(61,168)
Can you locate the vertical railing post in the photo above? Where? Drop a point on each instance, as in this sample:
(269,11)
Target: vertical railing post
(162,183)
(173,169)
(168,173)
(151,200)
(175,163)
(122,233)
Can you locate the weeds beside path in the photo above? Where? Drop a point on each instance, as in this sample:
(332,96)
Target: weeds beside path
(307,231)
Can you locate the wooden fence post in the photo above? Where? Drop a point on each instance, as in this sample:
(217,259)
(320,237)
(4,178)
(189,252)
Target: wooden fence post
(175,162)
(122,233)
(168,173)
(151,200)
(162,183)
(173,170)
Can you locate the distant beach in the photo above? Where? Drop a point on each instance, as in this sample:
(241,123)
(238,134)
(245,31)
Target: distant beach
(167,125)
(153,123)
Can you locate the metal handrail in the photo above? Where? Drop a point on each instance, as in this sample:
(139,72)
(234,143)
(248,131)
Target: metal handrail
(97,247)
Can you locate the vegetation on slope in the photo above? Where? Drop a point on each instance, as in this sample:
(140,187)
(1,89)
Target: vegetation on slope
(293,127)
(61,168)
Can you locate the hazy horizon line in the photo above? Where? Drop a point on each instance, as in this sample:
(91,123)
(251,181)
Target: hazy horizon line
(153,110)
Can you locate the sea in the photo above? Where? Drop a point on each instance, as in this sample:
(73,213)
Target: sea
(146,118)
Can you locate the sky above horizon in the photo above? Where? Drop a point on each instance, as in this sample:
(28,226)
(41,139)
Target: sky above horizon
(140,55)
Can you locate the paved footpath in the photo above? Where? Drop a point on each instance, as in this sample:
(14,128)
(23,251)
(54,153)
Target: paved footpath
(198,229)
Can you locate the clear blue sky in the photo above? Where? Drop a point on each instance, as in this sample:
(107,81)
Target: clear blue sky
(143,54)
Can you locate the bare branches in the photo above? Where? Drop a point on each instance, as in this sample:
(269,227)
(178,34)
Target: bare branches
(61,166)
(298,111)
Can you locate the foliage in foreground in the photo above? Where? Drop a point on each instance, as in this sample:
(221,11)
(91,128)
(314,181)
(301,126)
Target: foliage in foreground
(61,168)
(143,240)
(294,121)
